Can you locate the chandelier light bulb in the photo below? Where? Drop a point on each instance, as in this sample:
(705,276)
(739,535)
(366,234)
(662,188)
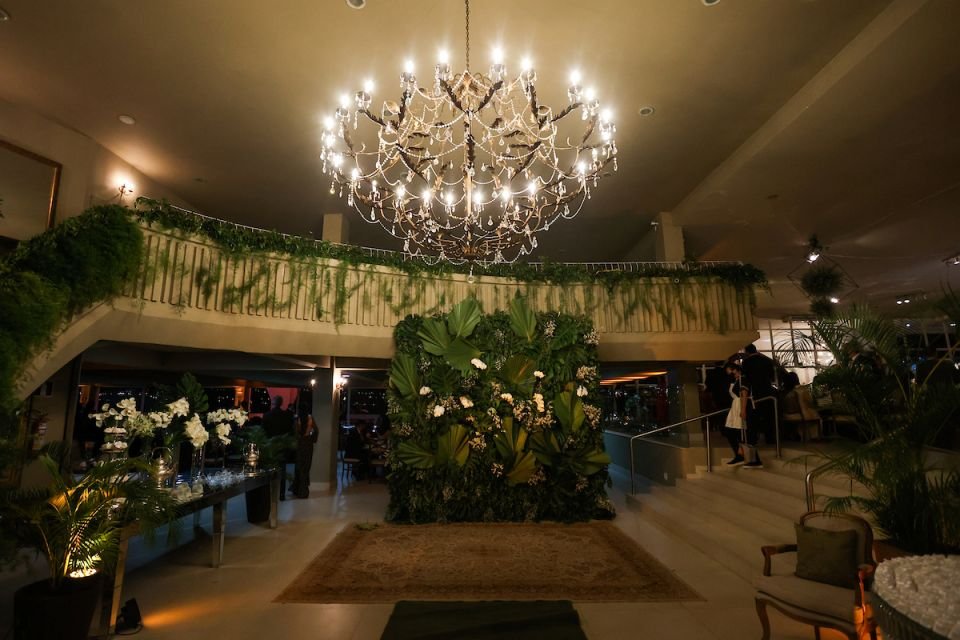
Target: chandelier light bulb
(427,195)
(497,55)
(575,76)
(344,100)
(368,85)
(448,197)
(813,256)
(590,93)
(443,56)
(526,64)
(327,123)
(355,174)
(505,194)
(408,65)
(835,300)
(478,196)
(401,191)
(606,115)
(532,187)
(581,168)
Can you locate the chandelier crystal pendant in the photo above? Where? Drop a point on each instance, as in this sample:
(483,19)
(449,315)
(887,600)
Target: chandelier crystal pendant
(473,167)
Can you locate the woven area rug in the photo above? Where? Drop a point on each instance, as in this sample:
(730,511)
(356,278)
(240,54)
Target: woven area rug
(586,562)
(530,620)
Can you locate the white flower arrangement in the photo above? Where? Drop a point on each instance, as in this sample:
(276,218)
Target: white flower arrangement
(478,363)
(236,416)
(196,432)
(539,375)
(497,469)
(538,400)
(477,442)
(581,391)
(223,431)
(179,408)
(161,419)
(923,589)
(127,422)
(587,373)
(438,410)
(466,402)
(593,415)
(507,397)
(591,337)
(425,391)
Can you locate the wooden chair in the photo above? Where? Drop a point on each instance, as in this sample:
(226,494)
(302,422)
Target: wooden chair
(800,409)
(815,603)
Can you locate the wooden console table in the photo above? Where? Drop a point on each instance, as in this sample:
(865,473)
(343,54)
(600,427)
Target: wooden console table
(216,498)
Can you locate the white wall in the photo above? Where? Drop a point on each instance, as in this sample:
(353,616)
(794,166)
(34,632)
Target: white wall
(89,169)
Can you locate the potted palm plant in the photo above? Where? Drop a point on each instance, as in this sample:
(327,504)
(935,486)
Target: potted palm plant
(911,494)
(76,525)
(272,451)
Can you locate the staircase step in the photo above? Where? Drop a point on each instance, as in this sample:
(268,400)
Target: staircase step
(734,545)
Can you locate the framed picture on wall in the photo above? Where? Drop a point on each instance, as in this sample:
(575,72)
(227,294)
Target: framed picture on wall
(29,184)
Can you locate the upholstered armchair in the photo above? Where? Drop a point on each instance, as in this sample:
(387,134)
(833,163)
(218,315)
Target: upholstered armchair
(800,409)
(817,603)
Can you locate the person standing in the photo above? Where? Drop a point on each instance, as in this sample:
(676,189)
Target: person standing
(307,434)
(757,373)
(279,423)
(734,426)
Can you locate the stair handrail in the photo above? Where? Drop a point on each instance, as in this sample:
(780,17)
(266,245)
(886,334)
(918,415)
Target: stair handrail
(776,419)
(808,494)
(633,474)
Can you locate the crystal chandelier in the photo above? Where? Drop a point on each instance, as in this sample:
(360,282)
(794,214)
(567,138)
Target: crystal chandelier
(472,168)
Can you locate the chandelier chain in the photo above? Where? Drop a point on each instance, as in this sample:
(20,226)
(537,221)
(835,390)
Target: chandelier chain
(467,31)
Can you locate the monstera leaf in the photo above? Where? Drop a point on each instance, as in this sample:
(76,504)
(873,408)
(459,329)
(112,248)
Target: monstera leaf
(587,462)
(460,353)
(519,463)
(434,335)
(403,375)
(452,446)
(569,410)
(455,350)
(464,318)
(411,453)
(523,320)
(545,447)
(517,371)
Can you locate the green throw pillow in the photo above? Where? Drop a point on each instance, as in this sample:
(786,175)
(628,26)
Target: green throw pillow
(827,556)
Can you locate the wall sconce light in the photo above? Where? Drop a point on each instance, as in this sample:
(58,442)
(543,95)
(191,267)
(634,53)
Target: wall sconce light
(342,381)
(313,382)
(123,185)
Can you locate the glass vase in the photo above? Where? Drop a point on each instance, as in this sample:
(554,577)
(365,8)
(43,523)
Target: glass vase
(196,463)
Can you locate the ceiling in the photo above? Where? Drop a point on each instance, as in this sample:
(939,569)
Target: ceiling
(773,121)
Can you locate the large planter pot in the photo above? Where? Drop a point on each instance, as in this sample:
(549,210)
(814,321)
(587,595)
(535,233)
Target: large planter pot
(39,614)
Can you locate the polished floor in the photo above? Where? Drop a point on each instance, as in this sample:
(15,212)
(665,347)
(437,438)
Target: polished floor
(182,597)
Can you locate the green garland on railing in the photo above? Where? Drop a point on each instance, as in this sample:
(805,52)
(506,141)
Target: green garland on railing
(241,240)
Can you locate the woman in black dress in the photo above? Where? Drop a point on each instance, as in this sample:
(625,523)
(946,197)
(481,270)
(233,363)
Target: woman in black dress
(306,438)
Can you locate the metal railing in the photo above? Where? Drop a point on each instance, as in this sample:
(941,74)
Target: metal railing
(776,420)
(633,474)
(808,495)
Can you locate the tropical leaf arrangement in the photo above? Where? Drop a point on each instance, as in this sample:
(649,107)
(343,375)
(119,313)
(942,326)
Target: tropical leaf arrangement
(493,418)
(910,492)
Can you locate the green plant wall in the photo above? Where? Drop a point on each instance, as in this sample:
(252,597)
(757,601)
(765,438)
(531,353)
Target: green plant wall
(494,418)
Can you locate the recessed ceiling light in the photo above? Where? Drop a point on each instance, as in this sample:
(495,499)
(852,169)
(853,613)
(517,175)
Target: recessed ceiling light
(646,110)
(4,15)
(710,3)
(356,4)
(125,119)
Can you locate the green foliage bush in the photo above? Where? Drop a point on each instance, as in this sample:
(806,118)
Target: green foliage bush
(822,281)
(490,457)
(83,261)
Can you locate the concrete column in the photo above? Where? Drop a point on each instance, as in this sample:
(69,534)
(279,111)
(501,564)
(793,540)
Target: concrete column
(668,245)
(685,379)
(336,227)
(325,407)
